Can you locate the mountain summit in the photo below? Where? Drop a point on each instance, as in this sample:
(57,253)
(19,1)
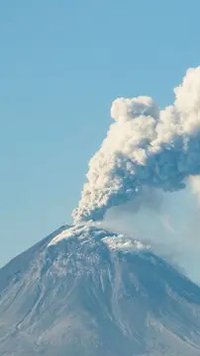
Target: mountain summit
(86,291)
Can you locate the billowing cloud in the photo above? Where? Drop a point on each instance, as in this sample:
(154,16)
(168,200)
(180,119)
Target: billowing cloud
(144,147)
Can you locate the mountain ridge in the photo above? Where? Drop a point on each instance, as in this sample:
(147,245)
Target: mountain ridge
(84,290)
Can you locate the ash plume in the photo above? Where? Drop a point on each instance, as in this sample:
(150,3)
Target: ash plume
(145,148)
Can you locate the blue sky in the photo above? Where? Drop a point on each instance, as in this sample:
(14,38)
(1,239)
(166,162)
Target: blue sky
(62,64)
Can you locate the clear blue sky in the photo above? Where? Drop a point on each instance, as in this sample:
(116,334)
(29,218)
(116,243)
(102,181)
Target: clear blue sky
(61,65)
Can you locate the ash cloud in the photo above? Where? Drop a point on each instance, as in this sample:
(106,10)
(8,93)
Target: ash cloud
(145,148)
(169,223)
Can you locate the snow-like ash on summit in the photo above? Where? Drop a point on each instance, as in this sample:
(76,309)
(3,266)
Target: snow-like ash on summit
(144,147)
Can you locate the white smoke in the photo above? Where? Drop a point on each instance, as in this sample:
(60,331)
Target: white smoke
(195,186)
(145,147)
(169,223)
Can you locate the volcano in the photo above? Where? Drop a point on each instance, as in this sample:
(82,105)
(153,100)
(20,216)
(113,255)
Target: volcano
(86,291)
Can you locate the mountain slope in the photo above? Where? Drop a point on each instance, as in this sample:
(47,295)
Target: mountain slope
(86,291)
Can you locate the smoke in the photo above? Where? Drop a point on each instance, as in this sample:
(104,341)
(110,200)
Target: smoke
(148,154)
(195,186)
(145,148)
(169,223)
